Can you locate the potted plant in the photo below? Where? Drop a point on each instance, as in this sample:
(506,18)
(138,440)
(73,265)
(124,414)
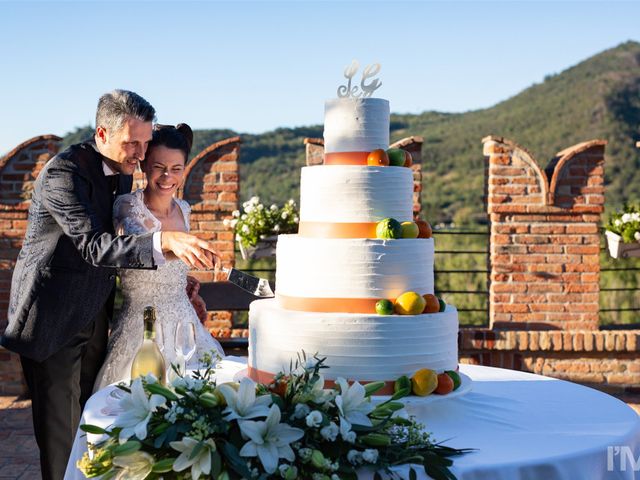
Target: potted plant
(623,232)
(257,227)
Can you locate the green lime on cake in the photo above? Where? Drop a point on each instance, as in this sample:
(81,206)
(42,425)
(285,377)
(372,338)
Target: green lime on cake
(384,307)
(410,230)
(388,228)
(396,157)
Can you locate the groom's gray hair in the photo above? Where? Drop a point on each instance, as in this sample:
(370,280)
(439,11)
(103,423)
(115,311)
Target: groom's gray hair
(116,106)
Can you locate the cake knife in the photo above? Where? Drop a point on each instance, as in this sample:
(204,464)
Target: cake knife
(256,286)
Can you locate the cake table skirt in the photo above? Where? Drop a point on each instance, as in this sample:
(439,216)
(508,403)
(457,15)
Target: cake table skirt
(523,426)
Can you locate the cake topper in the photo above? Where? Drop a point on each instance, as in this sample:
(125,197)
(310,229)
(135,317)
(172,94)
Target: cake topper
(366,89)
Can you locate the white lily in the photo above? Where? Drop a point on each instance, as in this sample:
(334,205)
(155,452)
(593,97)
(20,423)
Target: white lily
(353,404)
(321,394)
(269,440)
(137,408)
(346,433)
(135,466)
(243,403)
(199,464)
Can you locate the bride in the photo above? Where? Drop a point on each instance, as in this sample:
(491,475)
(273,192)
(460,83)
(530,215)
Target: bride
(151,210)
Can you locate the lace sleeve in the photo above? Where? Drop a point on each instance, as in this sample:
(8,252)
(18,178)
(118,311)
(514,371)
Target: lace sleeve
(129,217)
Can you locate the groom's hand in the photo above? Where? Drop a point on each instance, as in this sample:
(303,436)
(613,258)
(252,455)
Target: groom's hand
(190,249)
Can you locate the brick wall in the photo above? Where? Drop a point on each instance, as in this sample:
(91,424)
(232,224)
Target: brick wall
(544,271)
(211,188)
(18,169)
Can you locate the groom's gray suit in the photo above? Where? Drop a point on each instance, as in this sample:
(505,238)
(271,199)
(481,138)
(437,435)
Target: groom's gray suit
(62,290)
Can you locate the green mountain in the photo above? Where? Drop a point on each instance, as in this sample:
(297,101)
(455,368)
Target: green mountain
(598,98)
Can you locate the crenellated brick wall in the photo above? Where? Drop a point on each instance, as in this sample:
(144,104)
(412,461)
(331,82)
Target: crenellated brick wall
(544,271)
(211,188)
(545,246)
(18,170)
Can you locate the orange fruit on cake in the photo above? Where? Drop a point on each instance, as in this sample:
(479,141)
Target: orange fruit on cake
(424,229)
(378,158)
(432,304)
(445,384)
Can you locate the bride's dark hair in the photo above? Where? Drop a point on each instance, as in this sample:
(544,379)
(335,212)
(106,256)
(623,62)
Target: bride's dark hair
(179,137)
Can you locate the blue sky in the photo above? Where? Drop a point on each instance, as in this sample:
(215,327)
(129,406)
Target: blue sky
(255,66)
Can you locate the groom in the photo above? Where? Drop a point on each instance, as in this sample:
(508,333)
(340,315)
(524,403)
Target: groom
(63,282)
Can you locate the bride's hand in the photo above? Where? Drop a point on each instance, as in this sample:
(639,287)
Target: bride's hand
(193,251)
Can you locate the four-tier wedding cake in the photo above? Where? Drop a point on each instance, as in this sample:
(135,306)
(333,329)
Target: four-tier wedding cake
(331,274)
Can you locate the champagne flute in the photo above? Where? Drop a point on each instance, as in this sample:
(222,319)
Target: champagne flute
(159,338)
(185,343)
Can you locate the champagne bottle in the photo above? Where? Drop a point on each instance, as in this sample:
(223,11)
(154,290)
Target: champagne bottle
(149,359)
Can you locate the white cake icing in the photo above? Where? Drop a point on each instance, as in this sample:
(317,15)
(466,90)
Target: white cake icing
(348,193)
(357,346)
(356,124)
(353,268)
(319,278)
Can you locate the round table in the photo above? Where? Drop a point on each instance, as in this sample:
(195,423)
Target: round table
(524,426)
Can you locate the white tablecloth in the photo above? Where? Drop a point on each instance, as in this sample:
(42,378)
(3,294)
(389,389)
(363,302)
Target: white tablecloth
(523,426)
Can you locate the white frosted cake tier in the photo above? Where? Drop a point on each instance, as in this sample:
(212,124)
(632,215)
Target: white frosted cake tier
(356,124)
(350,193)
(357,346)
(353,267)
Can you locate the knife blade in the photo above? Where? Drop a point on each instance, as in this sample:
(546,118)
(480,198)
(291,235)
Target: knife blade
(256,286)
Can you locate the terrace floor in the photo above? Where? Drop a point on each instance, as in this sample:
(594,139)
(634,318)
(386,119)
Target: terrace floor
(19,458)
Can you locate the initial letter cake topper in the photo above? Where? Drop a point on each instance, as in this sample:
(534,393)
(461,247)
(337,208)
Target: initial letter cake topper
(366,89)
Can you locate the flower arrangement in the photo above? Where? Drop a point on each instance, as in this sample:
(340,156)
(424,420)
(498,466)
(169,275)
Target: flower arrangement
(292,428)
(257,222)
(626,223)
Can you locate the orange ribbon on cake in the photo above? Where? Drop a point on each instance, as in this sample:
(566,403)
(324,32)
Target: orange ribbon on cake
(337,230)
(334,305)
(346,158)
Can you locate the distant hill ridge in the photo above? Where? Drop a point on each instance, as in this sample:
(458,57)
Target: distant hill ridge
(597,98)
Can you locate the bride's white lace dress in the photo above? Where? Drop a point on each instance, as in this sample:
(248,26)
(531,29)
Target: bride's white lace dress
(164,289)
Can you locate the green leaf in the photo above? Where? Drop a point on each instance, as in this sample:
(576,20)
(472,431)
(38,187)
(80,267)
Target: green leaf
(376,440)
(235,461)
(109,475)
(412,474)
(92,429)
(208,400)
(395,406)
(159,389)
(163,466)
(160,428)
(403,392)
(216,464)
(126,448)
(196,451)
(373,387)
